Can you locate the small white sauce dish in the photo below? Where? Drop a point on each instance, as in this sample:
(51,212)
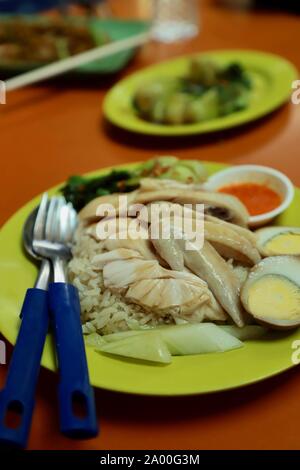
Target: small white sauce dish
(258,174)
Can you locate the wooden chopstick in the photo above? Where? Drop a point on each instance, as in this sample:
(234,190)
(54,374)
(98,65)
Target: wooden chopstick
(70,63)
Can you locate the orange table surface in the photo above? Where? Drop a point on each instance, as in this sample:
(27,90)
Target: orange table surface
(53,130)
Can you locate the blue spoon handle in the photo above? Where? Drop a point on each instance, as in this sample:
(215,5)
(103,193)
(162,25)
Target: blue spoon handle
(18,395)
(76,397)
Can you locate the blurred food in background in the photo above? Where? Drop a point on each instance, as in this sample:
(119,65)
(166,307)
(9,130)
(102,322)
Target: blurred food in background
(206,92)
(44,40)
(97,7)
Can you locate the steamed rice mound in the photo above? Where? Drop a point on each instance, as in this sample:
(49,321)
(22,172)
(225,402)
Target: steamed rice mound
(101,310)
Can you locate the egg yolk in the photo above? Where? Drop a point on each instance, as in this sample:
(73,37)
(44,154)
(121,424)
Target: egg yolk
(274,296)
(284,244)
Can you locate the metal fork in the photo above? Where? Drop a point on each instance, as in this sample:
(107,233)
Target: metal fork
(55,242)
(74,387)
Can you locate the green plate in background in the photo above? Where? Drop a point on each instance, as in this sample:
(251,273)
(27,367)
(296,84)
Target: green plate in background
(271,76)
(116,30)
(187,375)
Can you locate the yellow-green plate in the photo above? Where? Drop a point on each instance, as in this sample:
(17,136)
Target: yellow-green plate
(257,360)
(271,75)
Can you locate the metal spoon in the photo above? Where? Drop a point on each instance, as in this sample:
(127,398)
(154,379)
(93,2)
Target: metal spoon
(42,279)
(17,398)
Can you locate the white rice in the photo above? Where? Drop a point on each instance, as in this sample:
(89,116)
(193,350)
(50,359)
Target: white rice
(101,310)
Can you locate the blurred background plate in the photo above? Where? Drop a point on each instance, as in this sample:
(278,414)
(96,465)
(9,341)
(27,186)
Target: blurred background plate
(271,77)
(187,375)
(115,29)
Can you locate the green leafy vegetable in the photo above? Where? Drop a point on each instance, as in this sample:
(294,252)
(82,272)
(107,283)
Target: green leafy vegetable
(80,190)
(235,73)
(206,92)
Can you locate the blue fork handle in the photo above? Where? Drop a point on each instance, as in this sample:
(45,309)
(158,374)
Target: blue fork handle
(18,394)
(74,386)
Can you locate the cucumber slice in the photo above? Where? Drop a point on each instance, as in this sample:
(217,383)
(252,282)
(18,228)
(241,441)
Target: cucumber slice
(187,339)
(246,333)
(197,168)
(179,173)
(123,334)
(183,340)
(148,347)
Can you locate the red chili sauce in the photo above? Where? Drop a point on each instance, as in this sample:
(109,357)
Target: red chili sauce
(258,198)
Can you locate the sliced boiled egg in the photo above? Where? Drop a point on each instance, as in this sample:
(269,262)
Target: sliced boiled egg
(271,293)
(278,241)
